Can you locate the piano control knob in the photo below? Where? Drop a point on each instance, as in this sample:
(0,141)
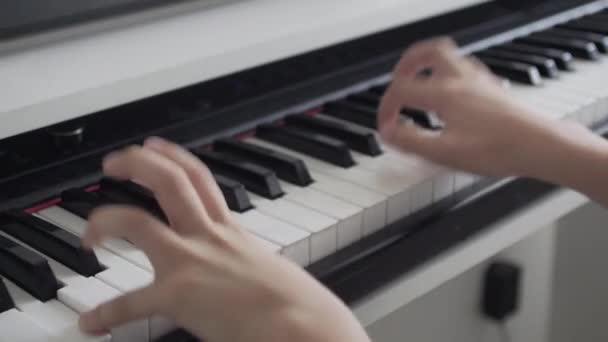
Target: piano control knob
(67,136)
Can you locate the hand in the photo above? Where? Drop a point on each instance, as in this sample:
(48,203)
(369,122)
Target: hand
(487,132)
(211,277)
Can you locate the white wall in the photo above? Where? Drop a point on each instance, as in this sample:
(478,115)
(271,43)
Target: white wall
(451,312)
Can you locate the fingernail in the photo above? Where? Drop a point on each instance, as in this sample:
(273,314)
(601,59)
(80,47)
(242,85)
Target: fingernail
(89,325)
(154,143)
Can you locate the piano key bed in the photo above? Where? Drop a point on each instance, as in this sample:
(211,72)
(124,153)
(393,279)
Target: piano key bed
(316,186)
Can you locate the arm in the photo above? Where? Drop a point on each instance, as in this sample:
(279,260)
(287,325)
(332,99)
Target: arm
(580,162)
(211,277)
(487,132)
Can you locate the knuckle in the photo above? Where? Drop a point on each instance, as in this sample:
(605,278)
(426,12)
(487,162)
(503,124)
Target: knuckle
(452,88)
(132,152)
(172,177)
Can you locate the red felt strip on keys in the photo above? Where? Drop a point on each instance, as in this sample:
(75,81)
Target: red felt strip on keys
(92,188)
(53,202)
(43,205)
(245,135)
(314,112)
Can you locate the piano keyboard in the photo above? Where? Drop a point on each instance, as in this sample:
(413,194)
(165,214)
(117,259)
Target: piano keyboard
(307,186)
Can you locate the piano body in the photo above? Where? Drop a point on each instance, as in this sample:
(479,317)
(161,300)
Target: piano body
(281,107)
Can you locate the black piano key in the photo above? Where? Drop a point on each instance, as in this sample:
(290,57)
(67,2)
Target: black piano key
(135,192)
(6,301)
(255,178)
(288,168)
(546,66)
(28,270)
(315,145)
(53,241)
(600,40)
(129,193)
(235,194)
(579,48)
(422,119)
(368,99)
(563,59)
(588,25)
(356,138)
(81,203)
(379,90)
(355,113)
(514,71)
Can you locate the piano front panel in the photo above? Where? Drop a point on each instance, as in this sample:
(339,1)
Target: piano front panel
(313,184)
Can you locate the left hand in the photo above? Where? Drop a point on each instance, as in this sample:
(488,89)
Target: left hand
(211,277)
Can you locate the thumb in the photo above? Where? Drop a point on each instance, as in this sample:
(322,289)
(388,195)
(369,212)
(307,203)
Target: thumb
(137,305)
(410,138)
(419,94)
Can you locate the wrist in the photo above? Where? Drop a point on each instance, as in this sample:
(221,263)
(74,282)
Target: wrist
(569,155)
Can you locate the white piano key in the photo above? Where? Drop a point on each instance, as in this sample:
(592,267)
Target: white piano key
(430,183)
(398,194)
(405,169)
(534,95)
(119,273)
(271,247)
(349,217)
(584,103)
(78,226)
(323,229)
(412,170)
(16,326)
(463,180)
(295,242)
(584,86)
(409,172)
(421,197)
(127,276)
(374,205)
(590,78)
(52,316)
(443,186)
(83,294)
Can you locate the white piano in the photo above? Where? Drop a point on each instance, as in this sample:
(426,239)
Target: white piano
(379,228)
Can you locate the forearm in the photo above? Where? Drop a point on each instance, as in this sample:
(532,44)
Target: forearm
(574,157)
(332,325)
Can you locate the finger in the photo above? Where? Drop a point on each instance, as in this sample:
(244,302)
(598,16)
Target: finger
(200,176)
(420,94)
(439,54)
(478,65)
(482,68)
(412,139)
(167,180)
(145,231)
(137,305)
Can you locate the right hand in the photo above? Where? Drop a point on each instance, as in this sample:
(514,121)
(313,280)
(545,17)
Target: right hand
(487,132)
